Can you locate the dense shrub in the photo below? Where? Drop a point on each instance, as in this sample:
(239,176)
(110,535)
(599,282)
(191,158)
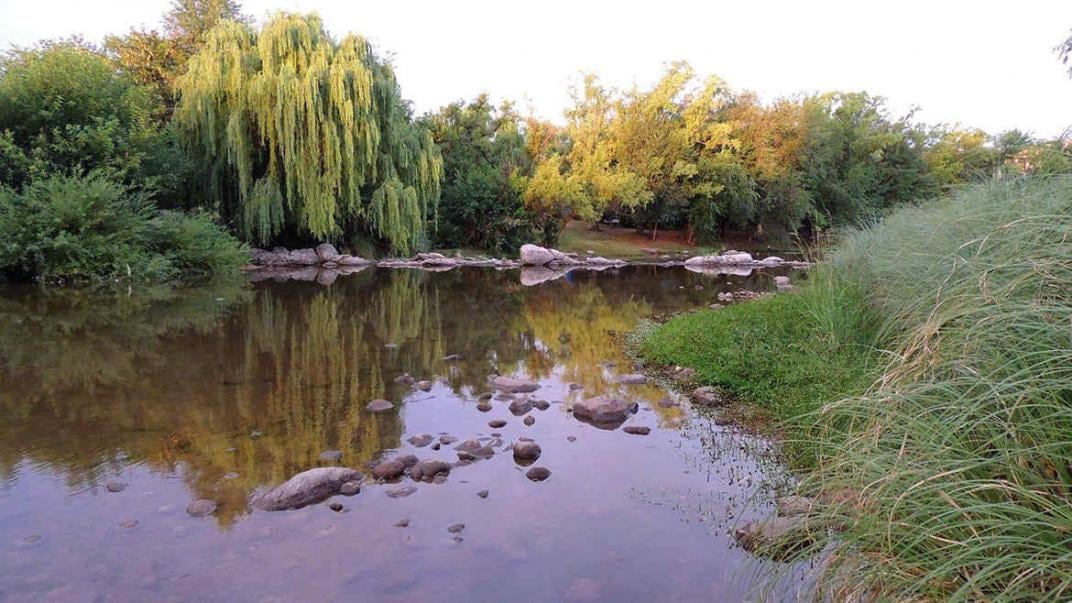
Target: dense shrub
(73,229)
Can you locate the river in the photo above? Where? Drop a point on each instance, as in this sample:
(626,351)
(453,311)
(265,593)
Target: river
(222,391)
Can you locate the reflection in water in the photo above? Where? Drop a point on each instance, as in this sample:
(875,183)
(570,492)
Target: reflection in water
(235,387)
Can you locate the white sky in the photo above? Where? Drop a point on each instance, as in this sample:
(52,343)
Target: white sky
(981,63)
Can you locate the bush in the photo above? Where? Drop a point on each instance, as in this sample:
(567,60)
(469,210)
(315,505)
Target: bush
(78,229)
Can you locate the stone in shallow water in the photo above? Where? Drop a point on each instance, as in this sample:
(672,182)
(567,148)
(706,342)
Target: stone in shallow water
(129,524)
(350,488)
(514,386)
(604,412)
(332,456)
(454,528)
(538,474)
(115,486)
(337,507)
(542,404)
(529,420)
(483,494)
(388,469)
(201,507)
(707,396)
(405,379)
(520,407)
(632,379)
(496,423)
(401,492)
(424,385)
(526,451)
(428,470)
(637,429)
(402,523)
(379,405)
(306,488)
(421,440)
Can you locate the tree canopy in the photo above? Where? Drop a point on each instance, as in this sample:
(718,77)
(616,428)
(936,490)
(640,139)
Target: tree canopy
(294,130)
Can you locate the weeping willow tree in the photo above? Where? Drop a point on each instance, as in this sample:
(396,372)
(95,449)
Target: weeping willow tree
(296,131)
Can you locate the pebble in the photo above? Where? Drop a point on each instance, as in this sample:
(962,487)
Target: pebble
(402,523)
(571,438)
(422,440)
(529,420)
(201,507)
(337,507)
(446,440)
(402,492)
(496,423)
(637,429)
(483,494)
(129,524)
(424,385)
(350,488)
(483,406)
(542,404)
(115,486)
(455,528)
(538,474)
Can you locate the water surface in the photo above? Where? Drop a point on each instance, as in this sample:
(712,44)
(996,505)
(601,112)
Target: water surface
(221,391)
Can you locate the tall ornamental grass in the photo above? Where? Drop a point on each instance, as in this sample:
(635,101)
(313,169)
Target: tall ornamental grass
(953,472)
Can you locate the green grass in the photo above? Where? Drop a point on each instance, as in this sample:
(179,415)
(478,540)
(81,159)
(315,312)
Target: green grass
(622,243)
(959,454)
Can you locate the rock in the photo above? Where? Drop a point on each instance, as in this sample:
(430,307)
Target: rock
(534,255)
(772,260)
(424,385)
(730,258)
(483,406)
(422,440)
(332,456)
(388,469)
(379,405)
(667,403)
(604,412)
(632,379)
(428,469)
(496,423)
(571,438)
(483,494)
(514,386)
(526,451)
(115,486)
(349,260)
(405,379)
(782,282)
(538,474)
(537,275)
(575,386)
(542,404)
(468,445)
(401,492)
(129,524)
(520,407)
(637,429)
(447,440)
(789,506)
(303,257)
(337,507)
(306,488)
(408,460)
(201,507)
(455,528)
(326,252)
(529,420)
(402,523)
(485,396)
(684,374)
(350,488)
(707,396)
(452,358)
(776,538)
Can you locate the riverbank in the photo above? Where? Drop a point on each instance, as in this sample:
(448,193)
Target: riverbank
(923,381)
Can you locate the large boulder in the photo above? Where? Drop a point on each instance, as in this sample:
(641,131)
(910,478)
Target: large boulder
(514,386)
(303,257)
(534,255)
(306,488)
(604,412)
(327,253)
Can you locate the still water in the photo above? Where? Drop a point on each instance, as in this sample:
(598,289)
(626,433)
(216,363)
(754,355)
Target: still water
(223,391)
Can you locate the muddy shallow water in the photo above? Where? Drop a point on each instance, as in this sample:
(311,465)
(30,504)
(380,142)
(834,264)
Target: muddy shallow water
(223,391)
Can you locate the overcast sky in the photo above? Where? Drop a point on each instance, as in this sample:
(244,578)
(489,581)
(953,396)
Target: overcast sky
(982,63)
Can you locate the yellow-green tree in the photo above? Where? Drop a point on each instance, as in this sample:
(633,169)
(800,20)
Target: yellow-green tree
(296,131)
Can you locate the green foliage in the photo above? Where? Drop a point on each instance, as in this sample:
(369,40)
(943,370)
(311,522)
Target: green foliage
(65,109)
(485,161)
(292,129)
(78,229)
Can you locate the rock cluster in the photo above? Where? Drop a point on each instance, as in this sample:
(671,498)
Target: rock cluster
(534,255)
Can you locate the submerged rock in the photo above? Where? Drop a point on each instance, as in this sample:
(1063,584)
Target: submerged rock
(306,488)
(379,405)
(455,528)
(496,423)
(514,386)
(520,407)
(483,406)
(201,507)
(428,470)
(350,488)
(529,420)
(483,494)
(424,385)
(604,412)
(632,379)
(526,451)
(637,429)
(331,456)
(388,469)
(420,441)
(777,538)
(115,486)
(401,492)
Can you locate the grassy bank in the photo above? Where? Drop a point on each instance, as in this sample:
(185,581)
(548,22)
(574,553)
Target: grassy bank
(941,395)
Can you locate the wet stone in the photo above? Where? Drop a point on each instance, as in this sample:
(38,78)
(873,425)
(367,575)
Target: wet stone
(496,423)
(542,404)
(402,523)
(455,528)
(571,438)
(337,507)
(405,379)
(511,385)
(332,456)
(388,469)
(483,406)
(350,488)
(424,385)
(115,486)
(201,507)
(529,420)
(707,396)
(422,440)
(483,494)
(485,396)
(401,492)
(427,470)
(129,524)
(632,379)
(379,405)
(637,429)
(447,440)
(526,451)
(538,474)
(520,407)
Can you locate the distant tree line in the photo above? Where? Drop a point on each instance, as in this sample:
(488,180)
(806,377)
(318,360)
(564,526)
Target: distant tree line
(282,134)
